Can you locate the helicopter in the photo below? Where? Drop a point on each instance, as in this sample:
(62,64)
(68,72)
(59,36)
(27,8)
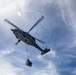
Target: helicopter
(26,37)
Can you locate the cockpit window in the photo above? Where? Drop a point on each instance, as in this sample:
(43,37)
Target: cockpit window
(23,32)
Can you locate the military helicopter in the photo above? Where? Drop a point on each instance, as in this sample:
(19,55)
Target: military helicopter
(27,38)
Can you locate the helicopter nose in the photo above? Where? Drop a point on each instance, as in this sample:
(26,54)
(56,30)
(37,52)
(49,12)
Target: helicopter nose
(12,29)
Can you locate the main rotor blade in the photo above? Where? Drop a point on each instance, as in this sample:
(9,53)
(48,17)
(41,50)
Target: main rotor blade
(36,23)
(11,23)
(39,40)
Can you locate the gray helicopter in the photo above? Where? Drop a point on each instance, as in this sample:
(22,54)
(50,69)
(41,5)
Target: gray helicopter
(26,37)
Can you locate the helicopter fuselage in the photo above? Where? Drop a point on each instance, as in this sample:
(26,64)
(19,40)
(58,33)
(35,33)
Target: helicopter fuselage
(24,36)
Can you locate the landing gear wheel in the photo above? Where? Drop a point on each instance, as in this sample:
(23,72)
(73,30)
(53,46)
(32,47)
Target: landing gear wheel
(28,62)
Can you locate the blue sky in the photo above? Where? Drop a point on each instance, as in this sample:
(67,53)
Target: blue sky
(57,30)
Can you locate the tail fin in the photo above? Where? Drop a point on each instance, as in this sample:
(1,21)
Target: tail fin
(45,51)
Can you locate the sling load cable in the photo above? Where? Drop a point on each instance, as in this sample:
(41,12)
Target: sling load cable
(28,62)
(27,57)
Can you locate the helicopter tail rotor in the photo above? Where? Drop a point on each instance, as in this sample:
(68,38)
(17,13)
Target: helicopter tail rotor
(40,41)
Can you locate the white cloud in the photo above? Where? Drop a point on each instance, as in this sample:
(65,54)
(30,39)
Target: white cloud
(67,8)
(50,69)
(7,69)
(50,54)
(44,2)
(68,11)
(74,71)
(6,51)
(6,8)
